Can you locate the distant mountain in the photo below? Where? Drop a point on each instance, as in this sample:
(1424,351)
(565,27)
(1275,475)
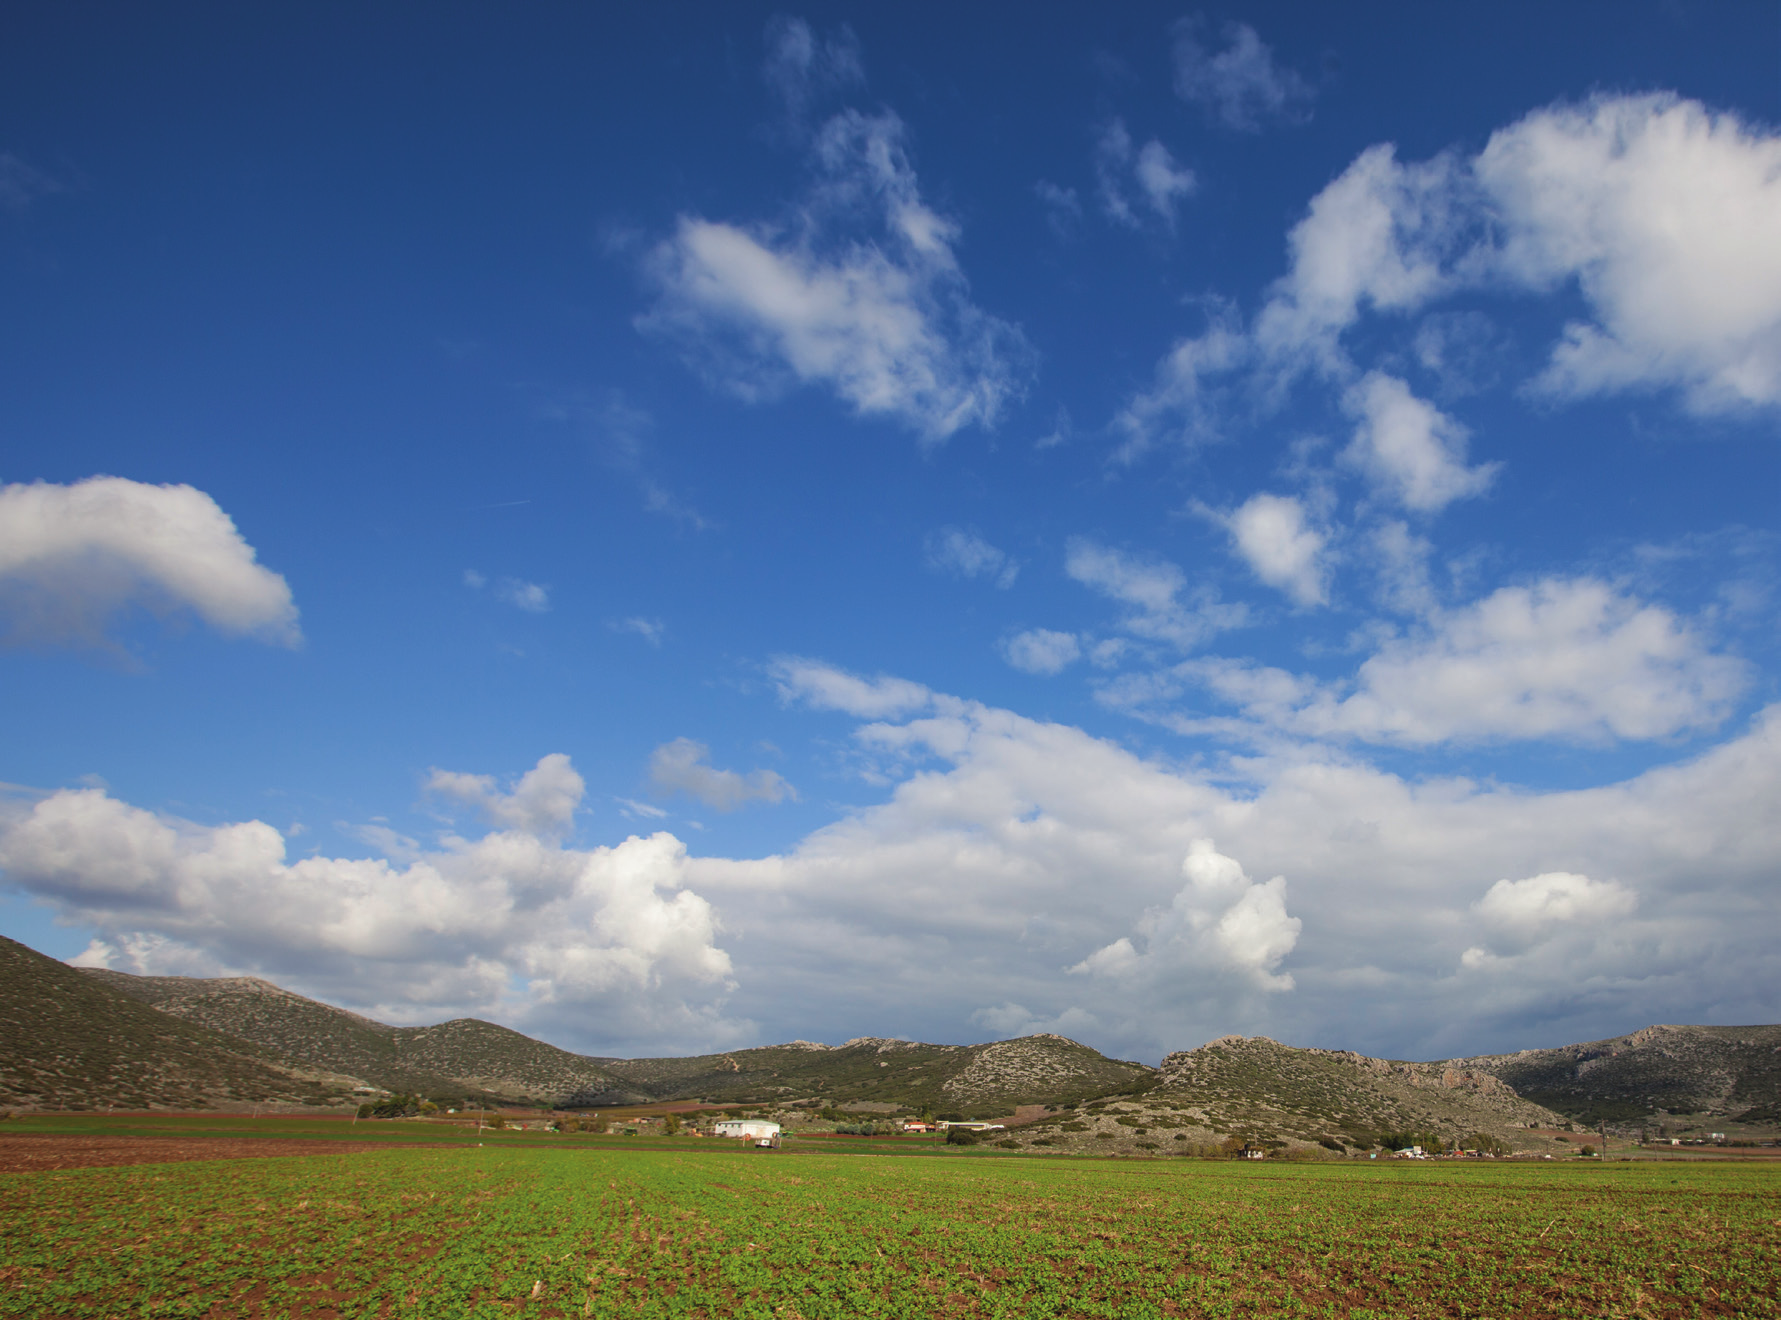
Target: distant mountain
(1660,1072)
(990,1078)
(68,1041)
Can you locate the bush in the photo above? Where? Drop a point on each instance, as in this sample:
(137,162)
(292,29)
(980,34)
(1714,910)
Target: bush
(1009,1145)
(1587,1150)
(1330,1143)
(960,1137)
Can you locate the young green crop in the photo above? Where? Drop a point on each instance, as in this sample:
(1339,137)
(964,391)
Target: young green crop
(602,1229)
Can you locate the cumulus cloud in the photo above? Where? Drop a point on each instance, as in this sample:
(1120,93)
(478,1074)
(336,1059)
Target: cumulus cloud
(1219,915)
(1557,896)
(72,558)
(1563,658)
(1410,449)
(1657,210)
(1012,850)
(541,803)
(958,550)
(1664,214)
(827,688)
(1274,537)
(1138,184)
(859,291)
(512,925)
(682,766)
(1241,86)
(1153,589)
(1041,651)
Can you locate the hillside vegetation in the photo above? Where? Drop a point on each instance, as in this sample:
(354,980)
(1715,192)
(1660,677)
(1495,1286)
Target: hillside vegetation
(69,1041)
(1656,1074)
(468,1057)
(1257,1090)
(979,1079)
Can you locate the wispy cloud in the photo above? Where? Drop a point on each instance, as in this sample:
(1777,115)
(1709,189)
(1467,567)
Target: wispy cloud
(1241,86)
(683,766)
(963,552)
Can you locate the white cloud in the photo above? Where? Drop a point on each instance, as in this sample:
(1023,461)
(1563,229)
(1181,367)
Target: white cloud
(1009,851)
(1660,211)
(958,550)
(641,810)
(650,630)
(861,292)
(1181,404)
(1409,448)
(517,592)
(1382,236)
(1272,535)
(1241,86)
(1041,651)
(827,688)
(1219,915)
(1665,215)
(1146,177)
(74,557)
(1153,590)
(800,66)
(511,925)
(1564,658)
(681,766)
(542,803)
(1032,848)
(1557,896)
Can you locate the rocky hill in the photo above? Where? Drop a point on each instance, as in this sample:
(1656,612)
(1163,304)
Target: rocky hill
(68,1041)
(1653,1075)
(1237,1090)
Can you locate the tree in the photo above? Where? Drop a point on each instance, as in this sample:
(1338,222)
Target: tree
(671,1124)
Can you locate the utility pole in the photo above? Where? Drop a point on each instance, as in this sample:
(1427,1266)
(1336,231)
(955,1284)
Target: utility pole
(1604,1138)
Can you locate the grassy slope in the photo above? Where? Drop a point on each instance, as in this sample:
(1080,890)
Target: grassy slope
(70,1041)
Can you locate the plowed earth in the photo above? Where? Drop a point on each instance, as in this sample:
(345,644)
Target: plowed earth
(33,1152)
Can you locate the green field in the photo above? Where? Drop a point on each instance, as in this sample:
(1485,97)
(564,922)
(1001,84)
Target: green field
(608,1228)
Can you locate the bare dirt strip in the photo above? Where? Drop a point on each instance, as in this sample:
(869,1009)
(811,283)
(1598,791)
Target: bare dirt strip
(36,1152)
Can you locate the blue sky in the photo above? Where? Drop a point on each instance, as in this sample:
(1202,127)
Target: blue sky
(696,526)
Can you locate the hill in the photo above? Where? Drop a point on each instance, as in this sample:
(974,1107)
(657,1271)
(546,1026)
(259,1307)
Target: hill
(1653,1075)
(68,1041)
(465,1057)
(1259,1090)
(985,1079)
(480,1060)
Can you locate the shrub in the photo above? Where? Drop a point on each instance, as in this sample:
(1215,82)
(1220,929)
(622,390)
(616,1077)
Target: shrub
(1330,1143)
(1009,1145)
(1587,1150)
(960,1137)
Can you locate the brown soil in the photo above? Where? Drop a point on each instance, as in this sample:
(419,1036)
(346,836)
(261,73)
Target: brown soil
(35,1152)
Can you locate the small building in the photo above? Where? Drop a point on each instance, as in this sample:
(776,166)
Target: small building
(1251,1151)
(971,1125)
(747,1129)
(918,1125)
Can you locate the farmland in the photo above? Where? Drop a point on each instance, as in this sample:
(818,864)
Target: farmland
(637,1228)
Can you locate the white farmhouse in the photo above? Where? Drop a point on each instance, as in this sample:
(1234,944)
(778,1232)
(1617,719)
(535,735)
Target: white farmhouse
(751,1129)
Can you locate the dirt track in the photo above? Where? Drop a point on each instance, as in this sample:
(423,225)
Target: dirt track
(33,1153)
